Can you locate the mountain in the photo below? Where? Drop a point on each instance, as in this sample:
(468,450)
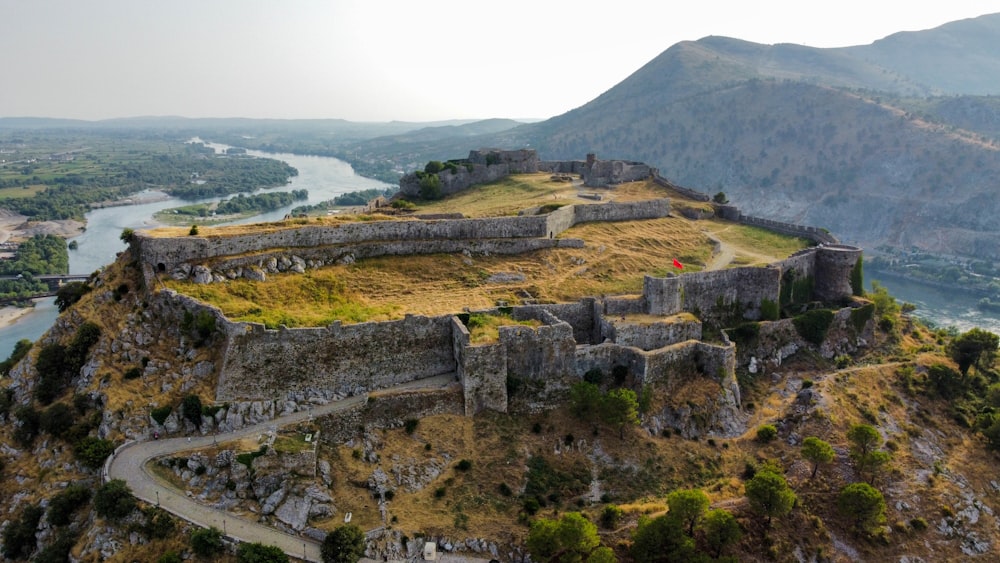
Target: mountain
(892,144)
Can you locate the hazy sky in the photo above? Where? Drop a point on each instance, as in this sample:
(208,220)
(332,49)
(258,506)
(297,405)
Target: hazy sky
(380,60)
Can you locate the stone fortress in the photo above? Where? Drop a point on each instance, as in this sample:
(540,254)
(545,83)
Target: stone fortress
(655,336)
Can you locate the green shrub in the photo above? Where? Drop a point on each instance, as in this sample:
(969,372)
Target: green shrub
(67,501)
(813,325)
(611,516)
(766,433)
(133,373)
(114,500)
(464,465)
(160,414)
(93,451)
(430,187)
(433,167)
(19,536)
(769,310)
(410,425)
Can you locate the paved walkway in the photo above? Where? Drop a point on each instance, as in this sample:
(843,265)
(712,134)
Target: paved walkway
(130,463)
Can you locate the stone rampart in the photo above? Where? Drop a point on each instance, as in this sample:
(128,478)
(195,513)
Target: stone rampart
(346,359)
(600,173)
(581,316)
(562,166)
(624,211)
(817,235)
(482,167)
(834,264)
(651,335)
(686,192)
(714,296)
(539,352)
(777,340)
(323,244)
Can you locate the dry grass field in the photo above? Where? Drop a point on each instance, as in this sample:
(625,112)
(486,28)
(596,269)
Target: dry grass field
(614,260)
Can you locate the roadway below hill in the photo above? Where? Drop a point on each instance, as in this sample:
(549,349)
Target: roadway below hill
(131,462)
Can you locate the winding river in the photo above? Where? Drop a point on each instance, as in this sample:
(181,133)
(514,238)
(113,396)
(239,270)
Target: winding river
(325,178)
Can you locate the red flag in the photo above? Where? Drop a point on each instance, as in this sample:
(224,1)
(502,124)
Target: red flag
(678,264)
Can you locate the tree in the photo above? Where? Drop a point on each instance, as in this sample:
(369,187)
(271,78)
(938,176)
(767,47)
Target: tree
(620,408)
(816,451)
(864,440)
(260,553)
(770,495)
(191,408)
(721,530)
(766,433)
(62,506)
(70,293)
(57,419)
(720,198)
(688,505)
(19,535)
(863,504)
(21,349)
(584,399)
(92,451)
(127,236)
(977,347)
(114,500)
(207,542)
(662,540)
(611,516)
(346,544)
(567,540)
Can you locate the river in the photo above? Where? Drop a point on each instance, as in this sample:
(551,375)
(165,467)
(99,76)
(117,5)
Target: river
(324,178)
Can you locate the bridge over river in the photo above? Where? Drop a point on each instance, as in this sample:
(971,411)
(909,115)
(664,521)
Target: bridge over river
(53,281)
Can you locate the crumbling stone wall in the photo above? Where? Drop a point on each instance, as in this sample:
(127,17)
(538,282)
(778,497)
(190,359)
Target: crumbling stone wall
(483,166)
(346,359)
(651,335)
(316,245)
(539,352)
(714,296)
(600,173)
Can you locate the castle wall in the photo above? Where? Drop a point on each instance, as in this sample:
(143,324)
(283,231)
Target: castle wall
(487,165)
(485,378)
(539,352)
(777,340)
(650,335)
(598,173)
(347,359)
(686,192)
(172,251)
(607,356)
(561,219)
(711,360)
(580,316)
(325,244)
(622,211)
(716,295)
(834,264)
(562,166)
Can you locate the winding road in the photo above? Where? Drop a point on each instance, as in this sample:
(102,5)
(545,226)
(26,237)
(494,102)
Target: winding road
(130,462)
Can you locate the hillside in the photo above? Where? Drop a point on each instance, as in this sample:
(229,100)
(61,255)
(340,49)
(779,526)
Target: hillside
(129,359)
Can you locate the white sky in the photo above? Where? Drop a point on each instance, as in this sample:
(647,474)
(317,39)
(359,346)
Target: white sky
(381,60)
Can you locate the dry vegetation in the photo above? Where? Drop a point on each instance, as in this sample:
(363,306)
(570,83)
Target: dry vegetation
(613,261)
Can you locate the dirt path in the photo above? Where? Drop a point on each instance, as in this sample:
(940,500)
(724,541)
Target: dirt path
(130,463)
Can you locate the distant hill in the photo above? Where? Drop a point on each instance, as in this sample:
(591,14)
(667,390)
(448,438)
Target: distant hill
(893,143)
